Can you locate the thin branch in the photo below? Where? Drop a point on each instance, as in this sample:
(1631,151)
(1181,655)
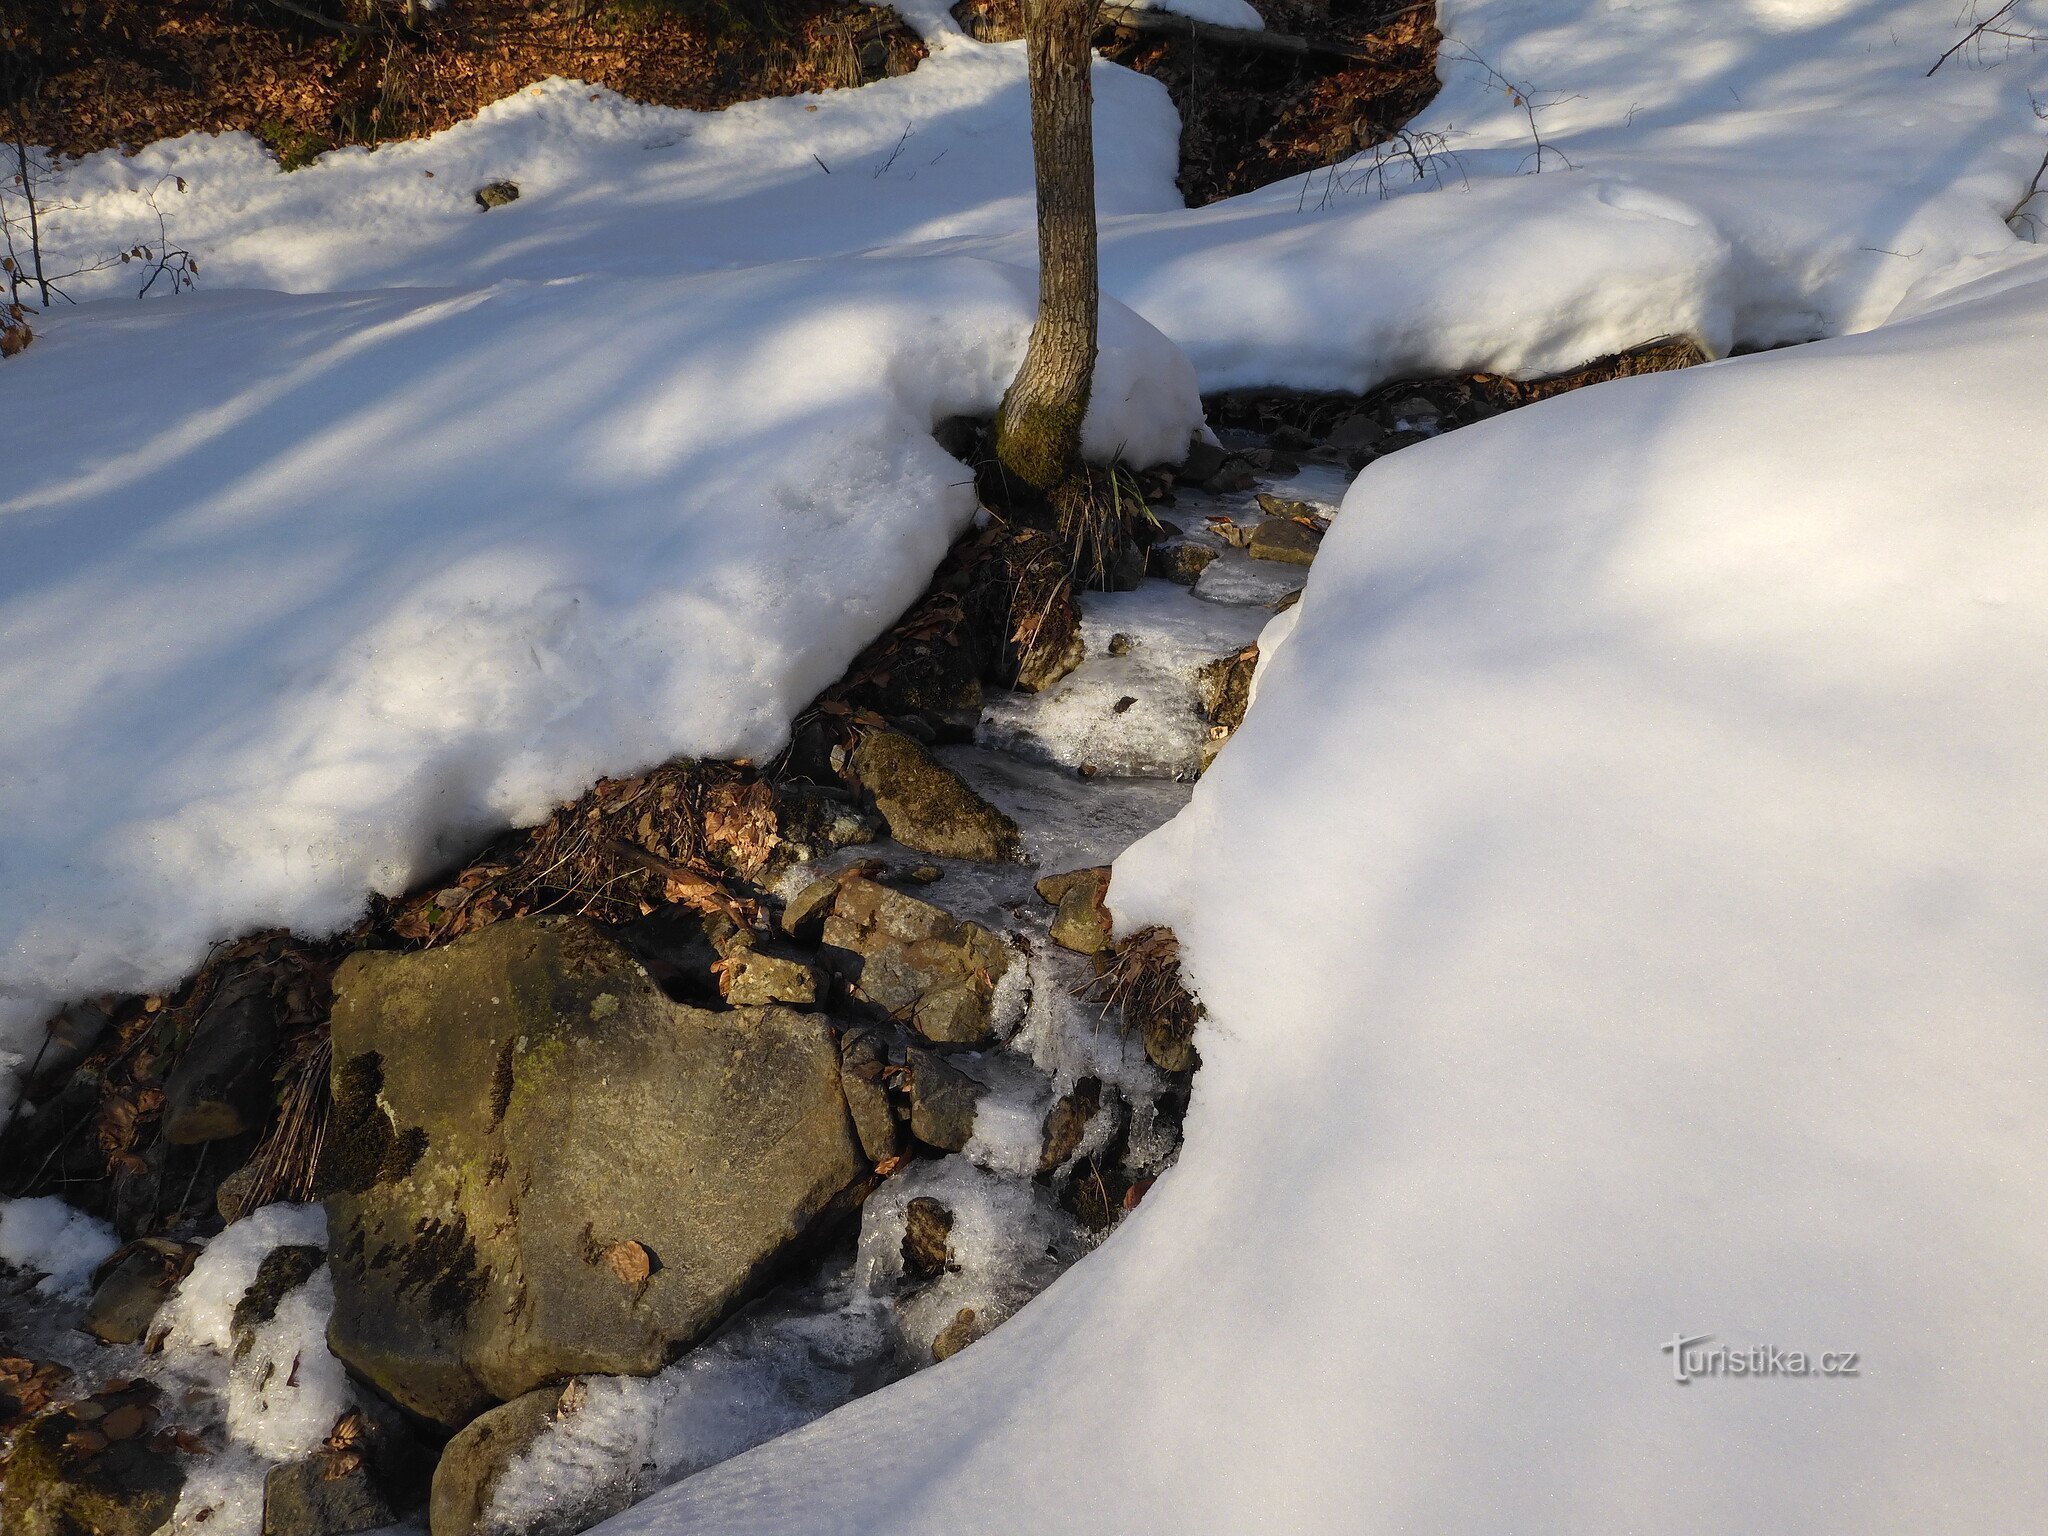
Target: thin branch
(1988,27)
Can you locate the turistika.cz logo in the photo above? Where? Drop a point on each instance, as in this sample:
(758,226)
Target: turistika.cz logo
(1691,1358)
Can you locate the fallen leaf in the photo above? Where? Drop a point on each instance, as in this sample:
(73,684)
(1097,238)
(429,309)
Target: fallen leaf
(629,1261)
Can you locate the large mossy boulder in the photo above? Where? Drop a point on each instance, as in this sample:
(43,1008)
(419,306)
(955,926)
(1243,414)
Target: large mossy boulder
(539,1165)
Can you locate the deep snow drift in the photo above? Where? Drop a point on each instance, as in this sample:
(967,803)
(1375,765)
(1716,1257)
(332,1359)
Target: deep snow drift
(334,586)
(1631,930)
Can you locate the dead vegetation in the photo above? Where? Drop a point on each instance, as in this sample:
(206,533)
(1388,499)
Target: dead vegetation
(1140,981)
(308,76)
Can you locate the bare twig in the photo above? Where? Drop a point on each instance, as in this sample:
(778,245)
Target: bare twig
(1988,27)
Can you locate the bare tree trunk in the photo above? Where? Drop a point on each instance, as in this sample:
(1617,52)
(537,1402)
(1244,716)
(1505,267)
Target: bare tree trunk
(1038,429)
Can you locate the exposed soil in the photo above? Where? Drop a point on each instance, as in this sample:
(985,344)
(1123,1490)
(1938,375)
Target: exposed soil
(81,75)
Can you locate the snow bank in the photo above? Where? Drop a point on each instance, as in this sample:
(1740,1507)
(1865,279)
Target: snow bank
(1631,929)
(48,1238)
(302,596)
(1751,172)
(611,186)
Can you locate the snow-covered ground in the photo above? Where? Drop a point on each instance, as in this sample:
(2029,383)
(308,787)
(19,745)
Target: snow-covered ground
(301,596)
(1633,874)
(1631,930)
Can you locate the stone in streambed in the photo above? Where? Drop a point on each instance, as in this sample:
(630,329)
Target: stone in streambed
(1080,921)
(539,1165)
(1285,540)
(928,806)
(914,961)
(943,1100)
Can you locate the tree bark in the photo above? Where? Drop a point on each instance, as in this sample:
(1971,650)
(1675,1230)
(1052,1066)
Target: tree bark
(1038,429)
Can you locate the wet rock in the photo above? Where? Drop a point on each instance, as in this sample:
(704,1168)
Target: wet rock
(221,1086)
(927,1234)
(368,1474)
(319,1495)
(1415,411)
(863,1058)
(815,820)
(1204,462)
(496,194)
(132,1287)
(1283,539)
(1279,506)
(1225,687)
(540,1166)
(478,1457)
(1357,433)
(1055,652)
(1179,561)
(957,1335)
(90,1469)
(942,1102)
(283,1270)
(915,961)
(475,1462)
(928,806)
(1066,1123)
(1080,921)
(1236,475)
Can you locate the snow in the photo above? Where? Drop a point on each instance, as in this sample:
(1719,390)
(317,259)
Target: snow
(1631,930)
(1617,917)
(614,187)
(279,1388)
(201,1312)
(336,585)
(1223,13)
(781,1363)
(48,1238)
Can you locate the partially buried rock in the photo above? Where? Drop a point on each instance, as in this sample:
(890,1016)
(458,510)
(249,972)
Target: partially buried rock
(132,1286)
(927,1238)
(496,194)
(283,1270)
(475,1462)
(1179,561)
(91,1469)
(538,1165)
(957,1335)
(754,969)
(367,1474)
(915,961)
(1203,462)
(863,1059)
(943,1102)
(1080,921)
(1225,687)
(927,805)
(1285,540)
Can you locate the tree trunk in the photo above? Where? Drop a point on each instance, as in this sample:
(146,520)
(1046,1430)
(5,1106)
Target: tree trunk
(1038,429)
